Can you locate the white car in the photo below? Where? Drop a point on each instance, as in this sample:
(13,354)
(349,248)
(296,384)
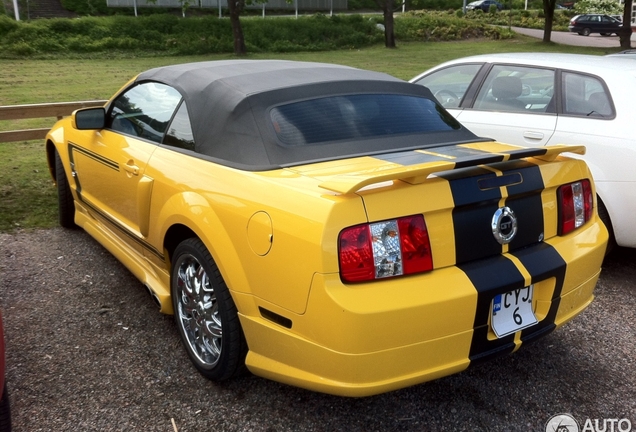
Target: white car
(540,99)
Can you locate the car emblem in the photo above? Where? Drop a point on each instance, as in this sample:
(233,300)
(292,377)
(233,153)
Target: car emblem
(504,225)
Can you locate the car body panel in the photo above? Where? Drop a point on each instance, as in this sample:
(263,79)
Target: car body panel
(511,127)
(610,143)
(273,234)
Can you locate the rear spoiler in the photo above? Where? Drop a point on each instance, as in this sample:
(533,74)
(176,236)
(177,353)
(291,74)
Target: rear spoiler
(415,174)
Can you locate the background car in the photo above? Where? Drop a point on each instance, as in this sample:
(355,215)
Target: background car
(328,227)
(484,5)
(544,99)
(587,24)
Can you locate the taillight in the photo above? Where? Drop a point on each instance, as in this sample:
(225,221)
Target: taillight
(384,249)
(575,205)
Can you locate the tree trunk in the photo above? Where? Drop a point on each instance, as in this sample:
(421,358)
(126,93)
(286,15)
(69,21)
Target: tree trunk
(236,7)
(389,33)
(548,11)
(625,33)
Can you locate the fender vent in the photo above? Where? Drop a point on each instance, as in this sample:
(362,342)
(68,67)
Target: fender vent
(275,318)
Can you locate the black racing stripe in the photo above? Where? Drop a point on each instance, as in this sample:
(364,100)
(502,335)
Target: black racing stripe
(531,175)
(529,212)
(473,233)
(499,275)
(497,182)
(490,277)
(472,214)
(543,262)
(525,200)
(102,160)
(465,186)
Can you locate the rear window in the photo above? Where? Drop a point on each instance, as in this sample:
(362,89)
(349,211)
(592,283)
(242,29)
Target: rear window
(352,117)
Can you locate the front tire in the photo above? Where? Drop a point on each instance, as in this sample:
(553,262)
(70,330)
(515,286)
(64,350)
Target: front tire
(65,203)
(205,313)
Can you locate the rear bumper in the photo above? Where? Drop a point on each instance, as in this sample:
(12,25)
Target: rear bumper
(366,339)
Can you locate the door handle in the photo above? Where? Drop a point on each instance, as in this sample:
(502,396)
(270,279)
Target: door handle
(533,135)
(131,168)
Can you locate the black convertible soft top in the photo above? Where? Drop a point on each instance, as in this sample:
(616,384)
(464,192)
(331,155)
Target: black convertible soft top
(230,106)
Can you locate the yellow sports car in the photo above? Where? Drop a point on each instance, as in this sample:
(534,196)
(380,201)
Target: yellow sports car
(328,227)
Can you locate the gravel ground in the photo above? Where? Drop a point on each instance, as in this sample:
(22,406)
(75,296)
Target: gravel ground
(87,350)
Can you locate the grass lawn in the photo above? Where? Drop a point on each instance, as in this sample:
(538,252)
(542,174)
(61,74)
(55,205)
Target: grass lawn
(27,197)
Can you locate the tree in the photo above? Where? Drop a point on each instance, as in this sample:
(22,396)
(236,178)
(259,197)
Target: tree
(236,8)
(548,11)
(625,33)
(389,29)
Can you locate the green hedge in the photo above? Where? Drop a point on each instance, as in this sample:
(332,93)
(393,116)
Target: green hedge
(444,26)
(523,18)
(165,34)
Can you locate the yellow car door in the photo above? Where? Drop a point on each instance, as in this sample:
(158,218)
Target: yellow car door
(110,169)
(110,178)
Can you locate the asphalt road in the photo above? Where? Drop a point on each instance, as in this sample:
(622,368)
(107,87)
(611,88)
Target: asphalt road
(568,38)
(88,351)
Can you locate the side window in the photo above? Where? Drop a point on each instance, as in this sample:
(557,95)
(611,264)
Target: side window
(180,131)
(144,111)
(449,84)
(511,88)
(585,95)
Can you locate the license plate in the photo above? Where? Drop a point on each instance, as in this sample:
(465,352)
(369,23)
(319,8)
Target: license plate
(512,311)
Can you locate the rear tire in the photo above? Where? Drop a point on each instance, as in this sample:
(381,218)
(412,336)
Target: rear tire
(205,313)
(586,32)
(604,215)
(65,203)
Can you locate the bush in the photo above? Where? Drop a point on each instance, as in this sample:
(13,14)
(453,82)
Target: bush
(440,26)
(7,25)
(609,7)
(88,7)
(169,34)
(524,18)
(174,35)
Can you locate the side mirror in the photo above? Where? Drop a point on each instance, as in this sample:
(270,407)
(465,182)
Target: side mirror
(89,118)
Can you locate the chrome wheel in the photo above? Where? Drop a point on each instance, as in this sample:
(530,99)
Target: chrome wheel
(198,311)
(205,313)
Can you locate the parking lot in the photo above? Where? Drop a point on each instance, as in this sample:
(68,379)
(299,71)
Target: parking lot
(88,351)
